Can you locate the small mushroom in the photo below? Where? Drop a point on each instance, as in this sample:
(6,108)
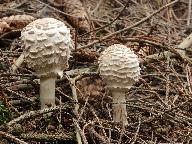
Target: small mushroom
(47,48)
(119,67)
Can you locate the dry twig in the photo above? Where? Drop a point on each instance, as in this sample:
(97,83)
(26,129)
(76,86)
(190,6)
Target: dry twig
(12,138)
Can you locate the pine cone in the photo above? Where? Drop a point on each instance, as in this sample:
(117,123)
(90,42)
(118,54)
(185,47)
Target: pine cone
(18,21)
(78,18)
(4,27)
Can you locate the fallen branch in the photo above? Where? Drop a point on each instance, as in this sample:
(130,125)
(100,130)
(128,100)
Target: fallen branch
(80,132)
(136,134)
(35,113)
(18,62)
(74,93)
(12,138)
(47,137)
(130,27)
(185,44)
(98,136)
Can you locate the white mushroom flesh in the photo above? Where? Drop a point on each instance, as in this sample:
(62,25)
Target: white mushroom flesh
(47,46)
(119,67)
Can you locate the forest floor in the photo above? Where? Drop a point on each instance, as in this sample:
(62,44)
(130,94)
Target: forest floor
(158,105)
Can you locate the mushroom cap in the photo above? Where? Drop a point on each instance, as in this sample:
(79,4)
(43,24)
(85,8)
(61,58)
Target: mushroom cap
(47,46)
(119,67)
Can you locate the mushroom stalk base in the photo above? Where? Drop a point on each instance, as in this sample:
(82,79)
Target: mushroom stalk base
(47,91)
(119,107)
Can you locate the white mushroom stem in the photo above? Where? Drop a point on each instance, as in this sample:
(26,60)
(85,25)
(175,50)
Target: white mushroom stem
(119,106)
(47,91)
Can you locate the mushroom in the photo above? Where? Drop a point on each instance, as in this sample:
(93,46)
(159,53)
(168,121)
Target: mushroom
(47,47)
(119,67)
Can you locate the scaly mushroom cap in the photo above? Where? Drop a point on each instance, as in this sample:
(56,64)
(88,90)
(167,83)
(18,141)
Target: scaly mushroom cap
(47,45)
(119,67)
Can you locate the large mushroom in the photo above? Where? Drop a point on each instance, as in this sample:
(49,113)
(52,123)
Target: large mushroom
(119,67)
(47,47)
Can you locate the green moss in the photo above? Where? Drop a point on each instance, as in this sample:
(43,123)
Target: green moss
(5,114)
(100,33)
(1,66)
